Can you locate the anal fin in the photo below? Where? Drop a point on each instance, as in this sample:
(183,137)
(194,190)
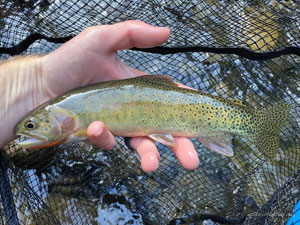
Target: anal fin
(220,144)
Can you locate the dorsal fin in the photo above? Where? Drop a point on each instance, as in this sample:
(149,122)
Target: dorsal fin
(159,79)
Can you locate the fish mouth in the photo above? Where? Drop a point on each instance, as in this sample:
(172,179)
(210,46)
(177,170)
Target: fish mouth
(29,141)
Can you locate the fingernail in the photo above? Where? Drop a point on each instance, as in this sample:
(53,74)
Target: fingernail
(99,130)
(192,161)
(149,162)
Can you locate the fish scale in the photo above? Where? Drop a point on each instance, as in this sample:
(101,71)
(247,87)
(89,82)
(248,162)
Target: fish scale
(153,106)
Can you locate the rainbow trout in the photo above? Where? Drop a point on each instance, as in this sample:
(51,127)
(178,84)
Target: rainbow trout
(156,107)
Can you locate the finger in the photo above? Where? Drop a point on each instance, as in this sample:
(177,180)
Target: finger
(138,34)
(147,151)
(186,153)
(99,135)
(127,35)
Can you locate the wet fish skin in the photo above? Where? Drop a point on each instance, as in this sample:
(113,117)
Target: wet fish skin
(153,106)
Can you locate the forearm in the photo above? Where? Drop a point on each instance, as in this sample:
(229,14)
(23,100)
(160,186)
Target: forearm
(21,89)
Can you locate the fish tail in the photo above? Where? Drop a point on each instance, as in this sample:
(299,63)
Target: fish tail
(269,123)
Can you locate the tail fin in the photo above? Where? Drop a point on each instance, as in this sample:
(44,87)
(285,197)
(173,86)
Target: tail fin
(269,123)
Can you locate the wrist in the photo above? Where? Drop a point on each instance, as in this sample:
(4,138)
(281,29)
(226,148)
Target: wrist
(22,89)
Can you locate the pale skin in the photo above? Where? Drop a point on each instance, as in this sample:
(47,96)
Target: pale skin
(90,57)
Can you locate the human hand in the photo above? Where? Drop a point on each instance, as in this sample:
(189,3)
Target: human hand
(145,147)
(91,57)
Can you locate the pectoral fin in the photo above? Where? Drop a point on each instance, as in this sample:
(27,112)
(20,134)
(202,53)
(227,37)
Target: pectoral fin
(220,144)
(78,135)
(165,139)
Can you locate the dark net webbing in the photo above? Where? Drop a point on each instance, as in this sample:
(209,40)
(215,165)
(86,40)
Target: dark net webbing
(247,50)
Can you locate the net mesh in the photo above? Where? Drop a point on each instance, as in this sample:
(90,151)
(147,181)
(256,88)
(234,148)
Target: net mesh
(247,50)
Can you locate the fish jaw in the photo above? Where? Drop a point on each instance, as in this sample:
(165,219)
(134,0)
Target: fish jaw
(33,140)
(36,143)
(28,142)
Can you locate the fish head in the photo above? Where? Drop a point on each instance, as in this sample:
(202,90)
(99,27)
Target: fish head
(45,127)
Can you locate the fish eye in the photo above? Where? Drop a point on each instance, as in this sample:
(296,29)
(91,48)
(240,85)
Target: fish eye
(31,124)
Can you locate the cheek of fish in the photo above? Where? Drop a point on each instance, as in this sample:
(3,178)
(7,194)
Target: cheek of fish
(55,126)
